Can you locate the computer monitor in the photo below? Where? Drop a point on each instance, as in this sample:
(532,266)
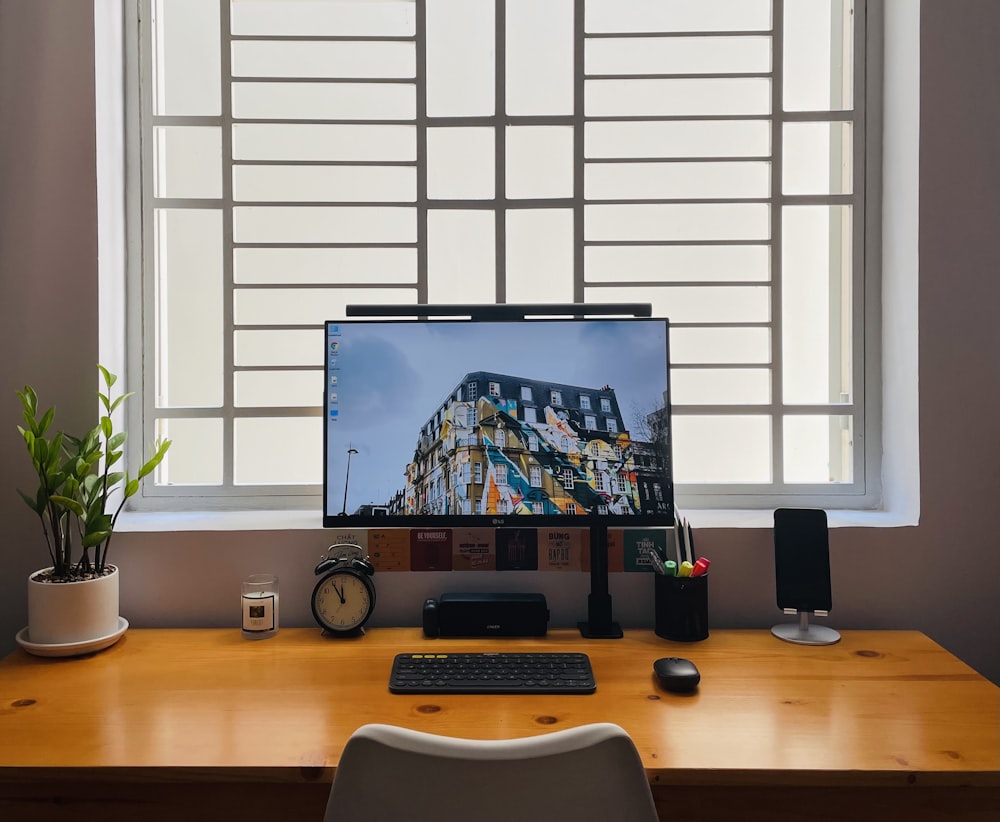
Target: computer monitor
(534,422)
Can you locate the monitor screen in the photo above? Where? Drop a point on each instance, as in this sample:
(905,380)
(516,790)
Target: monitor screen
(533,422)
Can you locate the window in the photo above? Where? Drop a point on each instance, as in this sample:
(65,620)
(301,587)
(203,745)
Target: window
(612,424)
(501,438)
(478,472)
(532,442)
(494,389)
(584,402)
(526,393)
(536,476)
(501,474)
(530,414)
(590,421)
(567,479)
(709,157)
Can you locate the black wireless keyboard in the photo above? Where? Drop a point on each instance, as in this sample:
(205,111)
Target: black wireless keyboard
(540,672)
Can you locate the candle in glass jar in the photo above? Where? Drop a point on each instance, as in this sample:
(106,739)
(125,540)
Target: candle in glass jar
(259,603)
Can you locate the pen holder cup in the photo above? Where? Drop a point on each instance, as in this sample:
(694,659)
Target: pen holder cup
(681,607)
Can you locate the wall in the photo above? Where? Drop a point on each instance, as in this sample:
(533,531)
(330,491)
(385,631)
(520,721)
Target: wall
(940,577)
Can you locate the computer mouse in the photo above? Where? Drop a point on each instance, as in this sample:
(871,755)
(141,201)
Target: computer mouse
(677,675)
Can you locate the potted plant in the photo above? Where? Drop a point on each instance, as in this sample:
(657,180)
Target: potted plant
(73,603)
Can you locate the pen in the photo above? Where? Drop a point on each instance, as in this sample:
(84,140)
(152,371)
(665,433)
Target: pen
(670,568)
(685,569)
(656,561)
(700,567)
(690,540)
(677,538)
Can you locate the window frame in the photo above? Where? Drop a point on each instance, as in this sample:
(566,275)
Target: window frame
(866,319)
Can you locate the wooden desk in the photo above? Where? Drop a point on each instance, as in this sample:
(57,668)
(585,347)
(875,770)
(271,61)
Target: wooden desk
(202,724)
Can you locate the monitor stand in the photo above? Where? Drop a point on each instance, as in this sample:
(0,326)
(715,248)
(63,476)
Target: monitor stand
(802,633)
(599,624)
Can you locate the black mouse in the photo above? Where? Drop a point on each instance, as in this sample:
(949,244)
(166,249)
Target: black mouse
(679,676)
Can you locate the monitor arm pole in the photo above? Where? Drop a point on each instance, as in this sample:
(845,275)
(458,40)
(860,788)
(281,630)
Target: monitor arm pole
(599,624)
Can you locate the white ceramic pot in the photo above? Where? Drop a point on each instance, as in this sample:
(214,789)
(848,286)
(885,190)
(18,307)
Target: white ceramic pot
(61,613)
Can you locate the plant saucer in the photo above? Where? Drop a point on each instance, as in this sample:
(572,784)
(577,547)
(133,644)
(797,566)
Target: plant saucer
(87,646)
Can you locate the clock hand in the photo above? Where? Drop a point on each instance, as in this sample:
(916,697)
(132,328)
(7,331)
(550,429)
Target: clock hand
(339,592)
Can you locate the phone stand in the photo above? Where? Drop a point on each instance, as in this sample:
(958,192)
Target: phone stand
(802,633)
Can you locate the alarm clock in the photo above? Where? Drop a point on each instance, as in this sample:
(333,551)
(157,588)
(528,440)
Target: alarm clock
(344,596)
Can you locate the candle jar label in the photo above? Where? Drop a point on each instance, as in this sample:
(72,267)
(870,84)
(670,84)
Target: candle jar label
(258,613)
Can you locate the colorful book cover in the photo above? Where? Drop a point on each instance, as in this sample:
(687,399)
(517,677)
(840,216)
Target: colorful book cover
(560,549)
(639,541)
(517,549)
(389,550)
(473,549)
(430,549)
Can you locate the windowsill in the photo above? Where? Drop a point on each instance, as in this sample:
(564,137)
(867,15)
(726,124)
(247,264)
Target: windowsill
(311,520)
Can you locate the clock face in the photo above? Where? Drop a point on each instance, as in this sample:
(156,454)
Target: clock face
(343,601)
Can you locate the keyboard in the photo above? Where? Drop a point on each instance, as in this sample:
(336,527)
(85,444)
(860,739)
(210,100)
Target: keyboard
(482,672)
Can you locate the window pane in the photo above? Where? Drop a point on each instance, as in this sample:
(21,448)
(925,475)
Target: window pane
(539,161)
(677,15)
(263,58)
(818,55)
(291,141)
(461,163)
(325,265)
(722,449)
(262,454)
(683,181)
(347,18)
(624,98)
(189,308)
(324,101)
(818,449)
(679,138)
(360,184)
(720,386)
(186,64)
(268,389)
(278,347)
(817,158)
(719,345)
(460,55)
(539,57)
(668,263)
(195,456)
(716,221)
(461,256)
(678,55)
(816,303)
(371,224)
(540,256)
(187,162)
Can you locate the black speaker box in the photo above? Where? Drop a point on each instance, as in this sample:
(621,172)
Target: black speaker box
(475,615)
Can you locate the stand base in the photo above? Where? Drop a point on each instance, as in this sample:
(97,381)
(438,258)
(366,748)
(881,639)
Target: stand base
(610,631)
(809,635)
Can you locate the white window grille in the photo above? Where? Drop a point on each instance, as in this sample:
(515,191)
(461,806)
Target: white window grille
(708,157)
(590,421)
(494,389)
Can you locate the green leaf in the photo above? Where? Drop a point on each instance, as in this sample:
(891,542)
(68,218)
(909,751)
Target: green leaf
(116,442)
(46,421)
(155,460)
(36,505)
(114,479)
(120,400)
(112,458)
(131,487)
(94,538)
(107,427)
(109,378)
(69,504)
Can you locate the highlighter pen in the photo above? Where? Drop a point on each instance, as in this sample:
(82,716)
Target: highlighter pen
(685,569)
(700,567)
(670,568)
